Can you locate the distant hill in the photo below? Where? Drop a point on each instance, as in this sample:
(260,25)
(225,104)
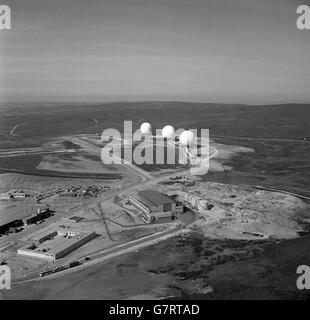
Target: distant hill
(42,121)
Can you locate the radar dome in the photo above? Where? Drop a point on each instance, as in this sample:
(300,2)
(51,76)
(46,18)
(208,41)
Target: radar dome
(168,132)
(187,137)
(146,128)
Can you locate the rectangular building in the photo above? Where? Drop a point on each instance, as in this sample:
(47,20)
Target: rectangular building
(55,244)
(156,204)
(41,215)
(11,224)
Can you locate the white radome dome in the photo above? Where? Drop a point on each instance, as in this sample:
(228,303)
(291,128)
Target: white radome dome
(187,137)
(168,132)
(146,128)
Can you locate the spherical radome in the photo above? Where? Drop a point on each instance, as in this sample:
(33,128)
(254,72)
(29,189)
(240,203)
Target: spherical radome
(146,128)
(187,137)
(168,132)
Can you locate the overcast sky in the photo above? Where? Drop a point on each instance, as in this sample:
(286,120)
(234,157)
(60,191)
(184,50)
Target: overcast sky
(247,51)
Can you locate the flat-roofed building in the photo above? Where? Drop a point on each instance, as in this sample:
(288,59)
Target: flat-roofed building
(54,244)
(39,216)
(20,194)
(6,226)
(13,194)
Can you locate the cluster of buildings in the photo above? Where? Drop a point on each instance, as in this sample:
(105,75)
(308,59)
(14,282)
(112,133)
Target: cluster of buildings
(14,194)
(40,215)
(55,242)
(59,239)
(91,191)
(155,205)
(76,191)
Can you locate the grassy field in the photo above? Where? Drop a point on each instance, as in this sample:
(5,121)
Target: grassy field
(28,165)
(284,165)
(234,270)
(275,162)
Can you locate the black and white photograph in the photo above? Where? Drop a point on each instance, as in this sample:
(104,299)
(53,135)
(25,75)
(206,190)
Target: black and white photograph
(154,151)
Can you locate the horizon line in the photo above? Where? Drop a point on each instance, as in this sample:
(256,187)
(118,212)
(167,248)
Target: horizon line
(151,101)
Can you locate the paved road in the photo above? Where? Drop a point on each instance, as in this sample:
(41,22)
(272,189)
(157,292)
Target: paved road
(281,191)
(14,128)
(262,139)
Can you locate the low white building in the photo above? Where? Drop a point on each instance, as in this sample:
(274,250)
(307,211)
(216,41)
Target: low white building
(52,244)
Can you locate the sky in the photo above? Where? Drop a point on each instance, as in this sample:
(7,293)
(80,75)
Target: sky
(230,51)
